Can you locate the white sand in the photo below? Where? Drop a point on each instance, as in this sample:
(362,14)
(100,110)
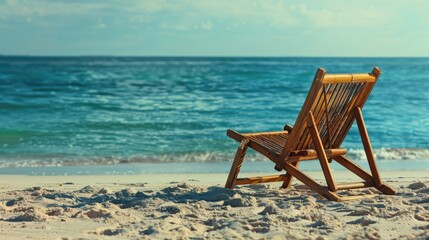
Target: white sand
(182,206)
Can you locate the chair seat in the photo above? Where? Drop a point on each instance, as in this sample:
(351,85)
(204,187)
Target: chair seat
(273,143)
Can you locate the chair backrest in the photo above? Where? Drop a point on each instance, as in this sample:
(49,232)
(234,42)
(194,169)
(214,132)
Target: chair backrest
(332,99)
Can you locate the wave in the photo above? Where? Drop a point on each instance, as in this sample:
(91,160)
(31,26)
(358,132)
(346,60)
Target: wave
(382,154)
(392,154)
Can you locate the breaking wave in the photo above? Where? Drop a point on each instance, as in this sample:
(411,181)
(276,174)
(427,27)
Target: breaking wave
(382,154)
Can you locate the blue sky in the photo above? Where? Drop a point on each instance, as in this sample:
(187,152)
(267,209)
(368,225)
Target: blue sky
(214,28)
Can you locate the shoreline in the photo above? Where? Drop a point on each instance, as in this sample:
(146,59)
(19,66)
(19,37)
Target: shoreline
(204,178)
(256,167)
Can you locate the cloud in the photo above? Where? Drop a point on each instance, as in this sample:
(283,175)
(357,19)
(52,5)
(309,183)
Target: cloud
(178,27)
(270,13)
(190,12)
(193,14)
(350,15)
(100,26)
(319,18)
(171,27)
(28,8)
(266,13)
(206,25)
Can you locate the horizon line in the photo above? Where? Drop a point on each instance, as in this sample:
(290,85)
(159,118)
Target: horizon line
(202,56)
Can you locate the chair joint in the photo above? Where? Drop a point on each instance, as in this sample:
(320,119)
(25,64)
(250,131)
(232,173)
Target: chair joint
(243,143)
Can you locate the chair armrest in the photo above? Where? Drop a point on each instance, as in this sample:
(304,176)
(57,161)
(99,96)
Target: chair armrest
(288,128)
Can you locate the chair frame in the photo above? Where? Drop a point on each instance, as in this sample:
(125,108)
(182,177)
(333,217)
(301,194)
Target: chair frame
(290,156)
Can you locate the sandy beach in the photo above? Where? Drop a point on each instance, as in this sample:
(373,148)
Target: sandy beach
(196,206)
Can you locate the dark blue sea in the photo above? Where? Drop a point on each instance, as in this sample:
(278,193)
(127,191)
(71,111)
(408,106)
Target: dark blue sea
(68,111)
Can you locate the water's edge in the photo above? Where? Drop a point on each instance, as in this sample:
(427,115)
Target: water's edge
(191,168)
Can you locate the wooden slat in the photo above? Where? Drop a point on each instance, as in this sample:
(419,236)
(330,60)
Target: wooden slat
(270,145)
(336,96)
(234,135)
(336,107)
(349,78)
(264,133)
(359,103)
(354,185)
(257,147)
(345,120)
(312,152)
(327,131)
(304,139)
(279,139)
(261,179)
(342,112)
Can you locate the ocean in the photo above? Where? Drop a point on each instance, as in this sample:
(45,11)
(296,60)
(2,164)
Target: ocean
(174,111)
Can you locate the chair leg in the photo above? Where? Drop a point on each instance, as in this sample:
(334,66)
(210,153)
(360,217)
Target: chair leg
(313,185)
(352,167)
(363,174)
(236,164)
(367,146)
(386,189)
(288,181)
(324,163)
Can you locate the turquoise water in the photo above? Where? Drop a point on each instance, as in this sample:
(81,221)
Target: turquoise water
(57,111)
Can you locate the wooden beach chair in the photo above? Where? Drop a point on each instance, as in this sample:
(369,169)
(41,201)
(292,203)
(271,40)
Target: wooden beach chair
(333,103)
